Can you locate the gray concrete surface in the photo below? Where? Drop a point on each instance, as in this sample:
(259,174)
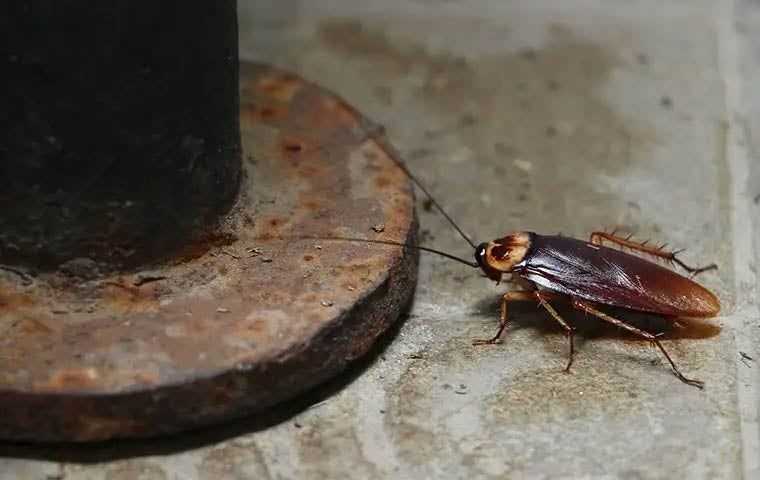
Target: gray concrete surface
(552,116)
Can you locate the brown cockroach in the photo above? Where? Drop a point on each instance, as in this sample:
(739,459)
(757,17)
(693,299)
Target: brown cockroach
(555,267)
(588,274)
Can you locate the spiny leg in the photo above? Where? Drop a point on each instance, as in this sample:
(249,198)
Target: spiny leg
(504,320)
(541,297)
(536,296)
(584,306)
(597,238)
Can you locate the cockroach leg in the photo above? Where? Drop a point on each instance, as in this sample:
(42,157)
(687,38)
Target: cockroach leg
(692,270)
(569,331)
(584,306)
(541,298)
(598,238)
(504,320)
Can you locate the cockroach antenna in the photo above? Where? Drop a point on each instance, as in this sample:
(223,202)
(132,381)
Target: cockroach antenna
(419,184)
(397,244)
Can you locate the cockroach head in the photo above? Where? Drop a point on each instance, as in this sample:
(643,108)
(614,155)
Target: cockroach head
(500,256)
(481,256)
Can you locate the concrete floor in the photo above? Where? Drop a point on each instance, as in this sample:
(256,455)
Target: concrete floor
(551,116)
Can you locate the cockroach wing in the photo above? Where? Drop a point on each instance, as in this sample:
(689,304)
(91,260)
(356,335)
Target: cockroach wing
(612,277)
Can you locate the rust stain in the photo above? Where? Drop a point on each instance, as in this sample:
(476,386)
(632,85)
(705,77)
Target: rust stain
(339,113)
(292,147)
(281,87)
(255,330)
(34,326)
(328,116)
(310,298)
(310,171)
(265,236)
(257,326)
(125,297)
(269,113)
(402,210)
(201,246)
(312,205)
(383,182)
(73,378)
(11,300)
(253,114)
(143,377)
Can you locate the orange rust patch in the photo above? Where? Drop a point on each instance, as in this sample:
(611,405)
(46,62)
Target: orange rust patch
(199,247)
(252,329)
(259,325)
(141,377)
(310,297)
(71,378)
(310,204)
(146,378)
(128,298)
(254,114)
(339,112)
(401,211)
(382,182)
(292,146)
(33,326)
(268,112)
(309,171)
(267,228)
(10,300)
(281,87)
(308,258)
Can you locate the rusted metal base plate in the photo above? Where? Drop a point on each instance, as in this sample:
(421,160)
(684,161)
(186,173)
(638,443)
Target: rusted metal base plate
(251,318)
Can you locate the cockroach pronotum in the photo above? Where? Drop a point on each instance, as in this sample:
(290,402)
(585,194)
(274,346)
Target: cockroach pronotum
(588,274)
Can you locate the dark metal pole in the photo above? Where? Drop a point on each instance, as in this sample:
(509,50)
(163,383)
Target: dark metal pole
(119,136)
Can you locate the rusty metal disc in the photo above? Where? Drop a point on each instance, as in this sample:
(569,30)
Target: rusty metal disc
(251,317)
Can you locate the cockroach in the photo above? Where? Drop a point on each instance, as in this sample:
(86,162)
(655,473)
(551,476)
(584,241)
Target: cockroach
(588,274)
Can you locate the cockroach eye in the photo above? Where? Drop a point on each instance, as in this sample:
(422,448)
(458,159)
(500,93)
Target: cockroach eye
(480,255)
